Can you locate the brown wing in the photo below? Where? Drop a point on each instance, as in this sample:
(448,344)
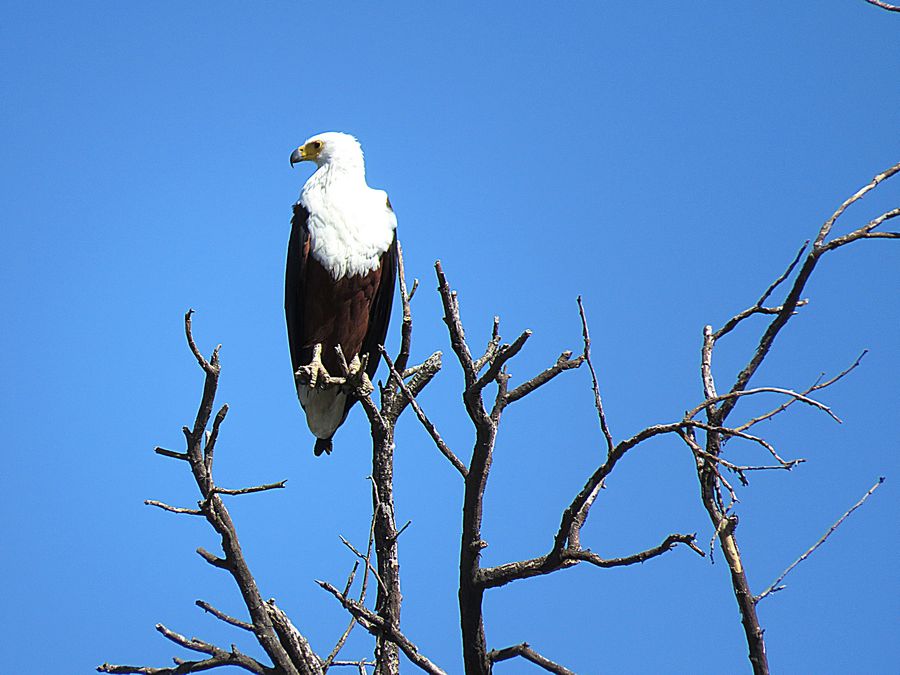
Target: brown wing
(380,316)
(294,281)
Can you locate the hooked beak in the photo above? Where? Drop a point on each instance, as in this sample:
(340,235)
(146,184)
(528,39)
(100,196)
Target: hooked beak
(297,156)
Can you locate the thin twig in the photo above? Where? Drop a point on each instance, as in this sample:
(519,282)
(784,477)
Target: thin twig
(884,5)
(492,577)
(365,560)
(405,298)
(775,586)
(815,387)
(202,604)
(171,453)
(732,395)
(249,490)
(884,175)
(173,509)
(598,403)
(376,625)
(423,418)
(526,652)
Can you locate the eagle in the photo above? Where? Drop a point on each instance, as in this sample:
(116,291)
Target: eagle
(339,282)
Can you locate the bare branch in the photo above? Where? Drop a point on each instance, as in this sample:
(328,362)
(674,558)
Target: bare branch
(493,345)
(563,363)
(171,453)
(775,284)
(492,577)
(526,652)
(293,643)
(249,490)
(423,418)
(733,395)
(405,298)
(865,232)
(210,446)
(598,402)
(793,297)
(213,559)
(365,560)
(376,625)
(740,434)
(758,307)
(218,658)
(363,587)
(884,175)
(202,604)
(273,631)
(505,354)
(173,509)
(454,326)
(815,387)
(884,5)
(775,586)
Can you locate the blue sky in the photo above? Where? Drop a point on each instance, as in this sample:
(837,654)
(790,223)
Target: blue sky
(664,161)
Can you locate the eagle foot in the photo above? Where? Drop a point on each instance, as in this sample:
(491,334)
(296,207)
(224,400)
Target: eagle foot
(314,374)
(357,378)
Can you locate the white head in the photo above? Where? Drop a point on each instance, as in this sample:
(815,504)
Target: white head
(331,148)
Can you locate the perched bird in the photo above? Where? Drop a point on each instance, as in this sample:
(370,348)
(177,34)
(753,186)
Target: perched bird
(339,284)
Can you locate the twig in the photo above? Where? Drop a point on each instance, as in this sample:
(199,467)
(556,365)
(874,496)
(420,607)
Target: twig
(365,560)
(171,453)
(423,418)
(758,307)
(202,604)
(775,586)
(363,587)
(405,298)
(505,354)
(598,403)
(884,5)
(815,387)
(734,395)
(210,446)
(490,350)
(249,490)
(376,625)
(492,577)
(884,175)
(526,652)
(173,509)
(739,434)
(218,658)
(563,363)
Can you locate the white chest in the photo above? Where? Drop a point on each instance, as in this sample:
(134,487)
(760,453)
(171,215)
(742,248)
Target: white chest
(350,224)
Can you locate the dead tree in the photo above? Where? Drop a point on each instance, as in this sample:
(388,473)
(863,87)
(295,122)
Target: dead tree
(704,429)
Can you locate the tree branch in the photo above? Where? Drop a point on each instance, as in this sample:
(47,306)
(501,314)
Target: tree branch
(775,586)
(598,402)
(272,630)
(492,577)
(423,418)
(526,652)
(377,626)
(884,5)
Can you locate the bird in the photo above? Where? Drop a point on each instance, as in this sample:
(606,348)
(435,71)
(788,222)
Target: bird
(339,279)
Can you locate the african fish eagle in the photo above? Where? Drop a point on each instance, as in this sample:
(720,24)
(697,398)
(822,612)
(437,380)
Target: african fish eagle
(339,284)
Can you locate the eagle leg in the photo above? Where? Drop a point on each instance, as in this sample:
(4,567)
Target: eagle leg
(314,373)
(356,380)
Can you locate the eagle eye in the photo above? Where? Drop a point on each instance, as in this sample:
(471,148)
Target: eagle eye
(316,145)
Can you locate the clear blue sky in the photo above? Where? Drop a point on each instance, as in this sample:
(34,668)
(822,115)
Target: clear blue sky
(664,160)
